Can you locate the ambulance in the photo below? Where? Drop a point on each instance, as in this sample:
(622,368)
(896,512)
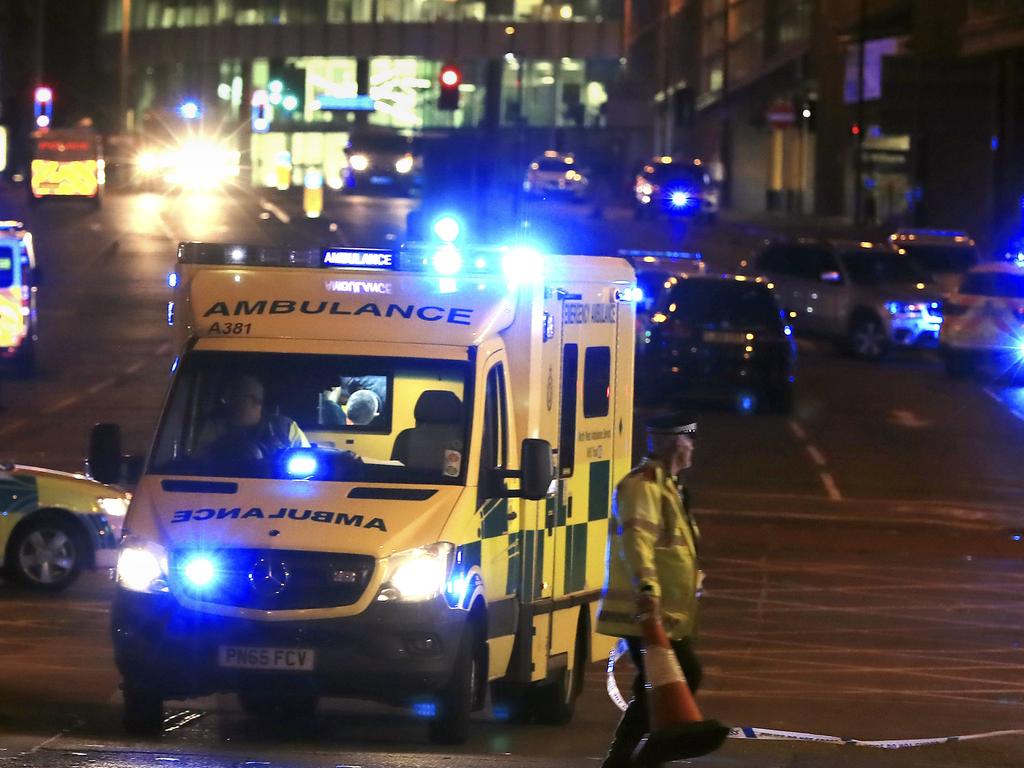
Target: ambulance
(18,284)
(67,162)
(378,475)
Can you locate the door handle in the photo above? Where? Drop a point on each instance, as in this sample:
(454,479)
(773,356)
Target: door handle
(513,515)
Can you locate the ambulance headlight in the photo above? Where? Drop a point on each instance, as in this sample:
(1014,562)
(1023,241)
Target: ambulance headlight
(417,574)
(403,164)
(142,566)
(359,162)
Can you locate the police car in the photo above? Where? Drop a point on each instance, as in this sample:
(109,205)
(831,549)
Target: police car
(671,186)
(54,524)
(985,320)
(945,255)
(18,278)
(555,174)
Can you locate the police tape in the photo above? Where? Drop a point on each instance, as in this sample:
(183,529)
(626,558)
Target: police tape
(770,734)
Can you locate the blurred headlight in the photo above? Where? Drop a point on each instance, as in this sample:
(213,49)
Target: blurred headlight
(359,162)
(404,164)
(113,507)
(142,566)
(149,162)
(417,574)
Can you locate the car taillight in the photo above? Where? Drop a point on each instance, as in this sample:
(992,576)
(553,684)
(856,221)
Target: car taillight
(950,309)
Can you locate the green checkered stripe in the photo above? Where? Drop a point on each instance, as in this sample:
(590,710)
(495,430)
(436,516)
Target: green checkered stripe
(526,548)
(19,495)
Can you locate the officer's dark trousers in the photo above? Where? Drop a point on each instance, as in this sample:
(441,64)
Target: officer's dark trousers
(634,723)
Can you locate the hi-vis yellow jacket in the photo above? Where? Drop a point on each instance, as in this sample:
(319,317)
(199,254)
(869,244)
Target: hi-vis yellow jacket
(651,541)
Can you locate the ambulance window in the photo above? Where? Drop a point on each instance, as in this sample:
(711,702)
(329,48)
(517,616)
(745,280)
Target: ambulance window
(6,266)
(597,379)
(567,429)
(494,448)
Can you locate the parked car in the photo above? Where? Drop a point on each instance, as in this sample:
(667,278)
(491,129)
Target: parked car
(54,524)
(945,255)
(718,337)
(555,174)
(669,186)
(864,296)
(985,321)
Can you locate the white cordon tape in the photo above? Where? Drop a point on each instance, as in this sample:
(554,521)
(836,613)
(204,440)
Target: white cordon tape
(768,734)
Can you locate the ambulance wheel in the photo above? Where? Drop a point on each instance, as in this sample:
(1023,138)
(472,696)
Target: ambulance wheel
(46,553)
(268,704)
(554,702)
(143,711)
(457,699)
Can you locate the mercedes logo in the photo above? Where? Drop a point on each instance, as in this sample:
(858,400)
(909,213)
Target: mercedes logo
(268,577)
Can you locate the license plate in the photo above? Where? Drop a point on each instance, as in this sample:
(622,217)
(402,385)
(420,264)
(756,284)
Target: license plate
(380,179)
(243,657)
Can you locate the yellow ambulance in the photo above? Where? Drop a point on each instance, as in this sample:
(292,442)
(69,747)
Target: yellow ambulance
(67,162)
(18,284)
(378,475)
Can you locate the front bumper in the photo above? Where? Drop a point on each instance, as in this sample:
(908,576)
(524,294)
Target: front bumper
(411,647)
(915,330)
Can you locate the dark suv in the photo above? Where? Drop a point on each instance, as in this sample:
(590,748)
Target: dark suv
(718,338)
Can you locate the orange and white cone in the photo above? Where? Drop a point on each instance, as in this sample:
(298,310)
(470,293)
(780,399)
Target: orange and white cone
(678,729)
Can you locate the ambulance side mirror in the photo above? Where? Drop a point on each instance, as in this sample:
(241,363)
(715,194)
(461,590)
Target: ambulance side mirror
(537,469)
(105,453)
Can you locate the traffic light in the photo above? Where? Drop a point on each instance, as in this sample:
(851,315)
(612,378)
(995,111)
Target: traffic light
(449,79)
(43,106)
(286,87)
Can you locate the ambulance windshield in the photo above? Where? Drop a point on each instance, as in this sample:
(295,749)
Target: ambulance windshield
(365,419)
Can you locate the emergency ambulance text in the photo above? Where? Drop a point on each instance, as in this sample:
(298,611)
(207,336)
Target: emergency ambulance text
(429,313)
(256,513)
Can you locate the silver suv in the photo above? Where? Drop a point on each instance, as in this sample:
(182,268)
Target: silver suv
(864,296)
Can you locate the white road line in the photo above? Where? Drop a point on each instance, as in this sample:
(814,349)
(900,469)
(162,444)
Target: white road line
(163,349)
(797,430)
(830,486)
(995,396)
(14,426)
(269,207)
(816,456)
(60,405)
(43,745)
(101,386)
(135,367)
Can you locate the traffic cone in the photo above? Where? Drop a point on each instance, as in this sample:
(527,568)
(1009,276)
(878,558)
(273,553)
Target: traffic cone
(678,729)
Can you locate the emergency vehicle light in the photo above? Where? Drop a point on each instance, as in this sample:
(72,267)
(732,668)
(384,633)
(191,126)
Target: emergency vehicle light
(200,571)
(680,255)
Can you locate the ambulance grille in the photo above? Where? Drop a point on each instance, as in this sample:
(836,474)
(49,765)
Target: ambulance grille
(275,580)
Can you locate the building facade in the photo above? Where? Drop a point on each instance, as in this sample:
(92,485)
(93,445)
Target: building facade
(333,66)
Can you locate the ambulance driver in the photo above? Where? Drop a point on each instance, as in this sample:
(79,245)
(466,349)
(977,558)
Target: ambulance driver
(242,430)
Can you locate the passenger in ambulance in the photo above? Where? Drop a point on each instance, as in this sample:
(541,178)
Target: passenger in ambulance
(243,430)
(363,406)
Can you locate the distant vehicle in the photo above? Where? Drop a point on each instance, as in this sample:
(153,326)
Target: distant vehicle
(555,174)
(55,524)
(985,321)
(862,295)
(715,337)
(18,283)
(944,254)
(67,162)
(669,186)
(385,162)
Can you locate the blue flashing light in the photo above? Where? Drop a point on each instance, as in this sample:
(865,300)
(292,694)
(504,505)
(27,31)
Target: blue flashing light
(746,403)
(172,279)
(457,587)
(788,330)
(447,229)
(190,110)
(1016,537)
(301,465)
(174,365)
(447,260)
(522,263)
(680,199)
(200,571)
(501,712)
(1020,349)
(424,709)
(170,313)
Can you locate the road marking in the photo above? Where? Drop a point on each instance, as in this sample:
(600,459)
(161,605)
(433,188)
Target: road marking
(43,745)
(797,430)
(830,486)
(816,456)
(269,207)
(14,426)
(906,418)
(135,367)
(1019,413)
(163,349)
(60,405)
(101,385)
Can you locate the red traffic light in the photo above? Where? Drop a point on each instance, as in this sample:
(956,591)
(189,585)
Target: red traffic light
(44,94)
(855,129)
(450,77)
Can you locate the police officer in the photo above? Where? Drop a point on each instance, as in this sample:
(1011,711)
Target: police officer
(652,566)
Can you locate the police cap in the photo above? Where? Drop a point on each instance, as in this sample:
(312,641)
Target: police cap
(678,423)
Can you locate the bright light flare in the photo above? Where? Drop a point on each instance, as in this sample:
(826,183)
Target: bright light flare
(301,465)
(403,164)
(522,263)
(447,260)
(679,199)
(447,229)
(359,162)
(200,571)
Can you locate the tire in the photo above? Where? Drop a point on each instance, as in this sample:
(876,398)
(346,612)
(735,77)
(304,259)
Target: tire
(959,365)
(456,700)
(868,339)
(46,553)
(143,711)
(554,702)
(266,704)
